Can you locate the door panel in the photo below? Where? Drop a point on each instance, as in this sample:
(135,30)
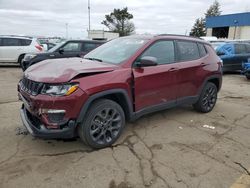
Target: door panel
(11,50)
(156,85)
(190,69)
(188,78)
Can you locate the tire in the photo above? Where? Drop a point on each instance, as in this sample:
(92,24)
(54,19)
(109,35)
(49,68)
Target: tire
(248,77)
(103,124)
(207,99)
(20,61)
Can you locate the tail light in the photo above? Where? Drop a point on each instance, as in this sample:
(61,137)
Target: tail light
(40,48)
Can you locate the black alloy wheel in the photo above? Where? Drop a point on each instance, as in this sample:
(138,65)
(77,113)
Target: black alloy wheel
(207,98)
(103,124)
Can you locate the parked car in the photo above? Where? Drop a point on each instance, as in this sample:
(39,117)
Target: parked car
(233,54)
(246,69)
(70,48)
(119,81)
(14,48)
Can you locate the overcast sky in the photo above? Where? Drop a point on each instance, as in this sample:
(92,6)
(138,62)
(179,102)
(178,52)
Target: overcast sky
(49,17)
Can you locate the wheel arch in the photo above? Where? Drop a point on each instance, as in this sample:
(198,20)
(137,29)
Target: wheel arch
(120,96)
(216,79)
(19,58)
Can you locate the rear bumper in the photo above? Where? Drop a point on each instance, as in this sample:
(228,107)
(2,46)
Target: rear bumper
(39,130)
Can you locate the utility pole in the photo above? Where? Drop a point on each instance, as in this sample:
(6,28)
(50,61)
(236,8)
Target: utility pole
(235,23)
(89,12)
(66,27)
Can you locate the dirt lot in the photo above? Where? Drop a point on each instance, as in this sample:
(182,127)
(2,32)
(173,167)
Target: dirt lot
(166,149)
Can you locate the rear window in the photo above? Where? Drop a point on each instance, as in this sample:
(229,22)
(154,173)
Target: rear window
(187,51)
(202,50)
(240,49)
(247,48)
(25,42)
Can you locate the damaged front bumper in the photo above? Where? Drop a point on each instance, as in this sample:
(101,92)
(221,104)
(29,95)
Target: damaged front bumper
(37,129)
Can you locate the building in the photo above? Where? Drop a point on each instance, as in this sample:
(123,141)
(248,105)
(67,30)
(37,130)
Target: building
(231,26)
(102,35)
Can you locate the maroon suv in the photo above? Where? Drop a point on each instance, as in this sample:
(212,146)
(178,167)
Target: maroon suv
(126,78)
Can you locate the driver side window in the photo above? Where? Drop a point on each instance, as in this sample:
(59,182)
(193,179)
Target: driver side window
(163,51)
(72,47)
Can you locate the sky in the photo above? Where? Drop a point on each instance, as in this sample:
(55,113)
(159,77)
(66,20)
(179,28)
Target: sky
(50,17)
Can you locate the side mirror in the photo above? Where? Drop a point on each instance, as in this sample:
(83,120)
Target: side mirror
(61,50)
(220,53)
(147,61)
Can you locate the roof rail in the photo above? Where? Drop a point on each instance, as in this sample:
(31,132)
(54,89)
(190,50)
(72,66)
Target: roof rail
(177,35)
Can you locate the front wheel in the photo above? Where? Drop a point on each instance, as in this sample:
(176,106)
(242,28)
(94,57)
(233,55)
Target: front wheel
(103,124)
(207,99)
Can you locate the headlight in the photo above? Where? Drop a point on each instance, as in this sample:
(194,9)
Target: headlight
(59,90)
(28,57)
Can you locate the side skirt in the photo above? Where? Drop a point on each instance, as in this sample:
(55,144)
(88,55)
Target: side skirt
(164,106)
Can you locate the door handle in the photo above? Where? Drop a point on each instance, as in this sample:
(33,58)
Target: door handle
(203,64)
(173,69)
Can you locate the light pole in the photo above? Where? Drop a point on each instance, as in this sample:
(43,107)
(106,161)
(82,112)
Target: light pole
(89,12)
(66,27)
(235,27)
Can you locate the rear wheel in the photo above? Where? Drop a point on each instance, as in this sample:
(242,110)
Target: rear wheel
(207,99)
(103,124)
(248,77)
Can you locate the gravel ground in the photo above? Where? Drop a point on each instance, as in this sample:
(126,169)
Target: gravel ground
(173,148)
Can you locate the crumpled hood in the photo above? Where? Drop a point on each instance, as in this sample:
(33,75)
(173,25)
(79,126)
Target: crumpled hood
(65,69)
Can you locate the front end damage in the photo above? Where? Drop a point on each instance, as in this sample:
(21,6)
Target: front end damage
(48,116)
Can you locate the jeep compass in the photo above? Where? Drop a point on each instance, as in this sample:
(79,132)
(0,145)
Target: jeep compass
(93,97)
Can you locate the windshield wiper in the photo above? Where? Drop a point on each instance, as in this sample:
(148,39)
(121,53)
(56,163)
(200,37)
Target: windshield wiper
(94,59)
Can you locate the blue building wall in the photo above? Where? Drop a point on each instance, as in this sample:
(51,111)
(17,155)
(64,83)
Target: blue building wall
(240,19)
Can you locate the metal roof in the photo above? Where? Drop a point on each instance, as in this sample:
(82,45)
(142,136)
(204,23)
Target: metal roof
(240,19)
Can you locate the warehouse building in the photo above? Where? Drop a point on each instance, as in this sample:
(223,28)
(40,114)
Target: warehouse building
(102,35)
(231,26)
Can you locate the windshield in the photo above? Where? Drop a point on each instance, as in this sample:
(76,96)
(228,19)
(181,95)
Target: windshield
(117,50)
(57,46)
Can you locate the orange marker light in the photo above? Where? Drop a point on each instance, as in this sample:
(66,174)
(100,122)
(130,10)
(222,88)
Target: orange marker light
(72,89)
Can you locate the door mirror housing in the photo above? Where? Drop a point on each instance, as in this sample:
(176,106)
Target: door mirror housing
(61,50)
(147,61)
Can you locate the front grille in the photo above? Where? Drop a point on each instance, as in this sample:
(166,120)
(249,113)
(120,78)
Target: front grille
(30,86)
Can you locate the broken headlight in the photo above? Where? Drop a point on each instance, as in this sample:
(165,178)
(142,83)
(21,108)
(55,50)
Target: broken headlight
(59,90)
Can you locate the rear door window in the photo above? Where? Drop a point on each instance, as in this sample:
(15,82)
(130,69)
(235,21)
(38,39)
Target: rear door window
(0,41)
(163,51)
(187,51)
(72,47)
(10,42)
(86,47)
(240,48)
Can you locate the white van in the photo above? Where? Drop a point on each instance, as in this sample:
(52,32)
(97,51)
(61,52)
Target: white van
(14,48)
